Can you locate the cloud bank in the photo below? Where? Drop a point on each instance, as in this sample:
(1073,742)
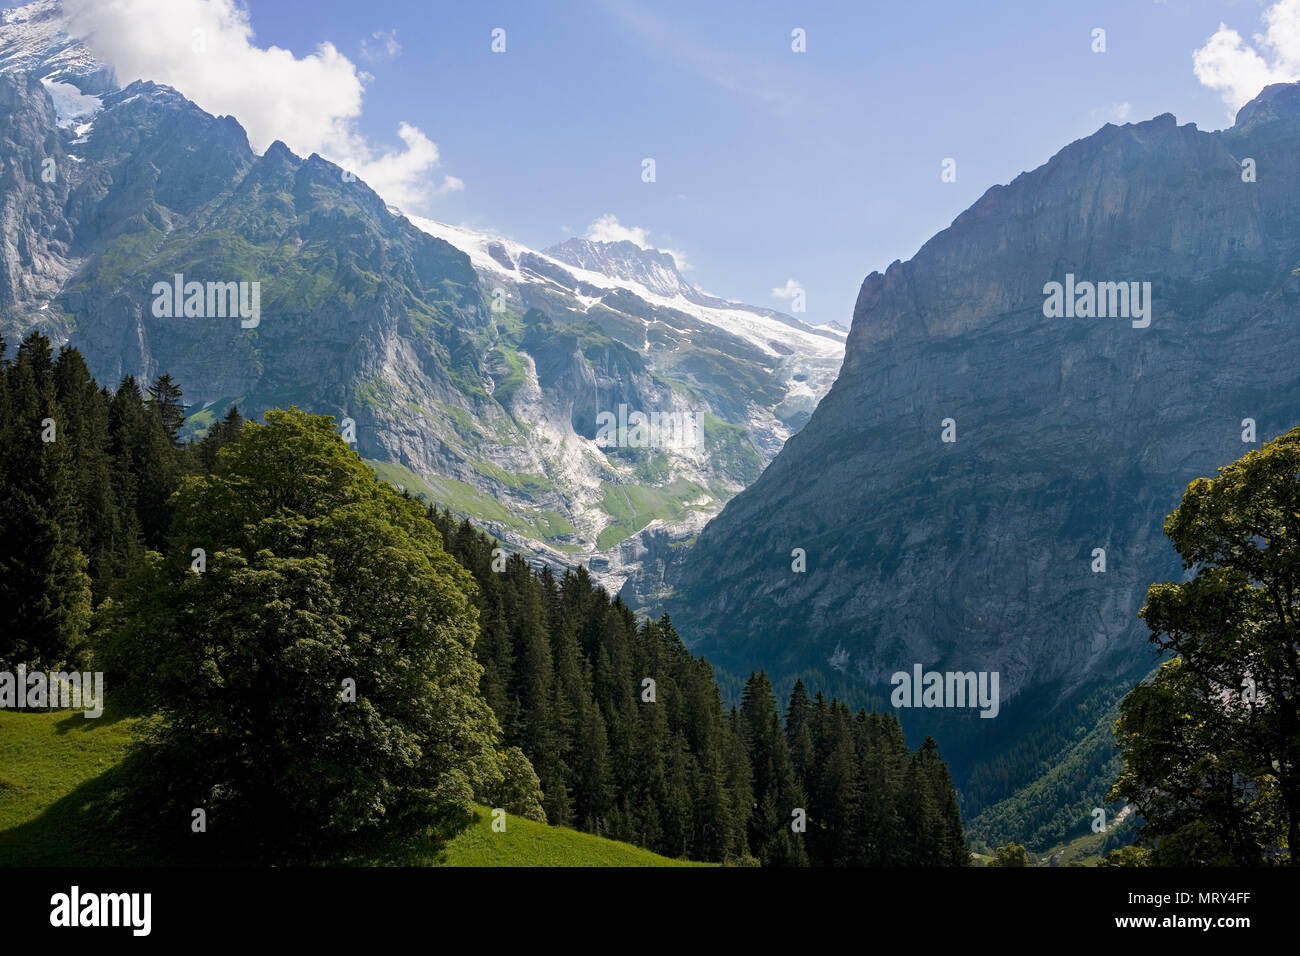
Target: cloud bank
(1239,70)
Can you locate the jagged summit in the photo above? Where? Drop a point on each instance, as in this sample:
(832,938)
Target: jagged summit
(652,268)
(1276,101)
(657,271)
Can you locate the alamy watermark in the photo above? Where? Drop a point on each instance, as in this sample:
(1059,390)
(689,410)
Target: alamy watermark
(951,689)
(210,300)
(129,910)
(1100,300)
(41,690)
(641,430)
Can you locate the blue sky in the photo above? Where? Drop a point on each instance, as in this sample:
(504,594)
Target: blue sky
(771,165)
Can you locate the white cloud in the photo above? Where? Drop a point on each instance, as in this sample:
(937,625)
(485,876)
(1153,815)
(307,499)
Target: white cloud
(607,228)
(380,46)
(1239,70)
(1115,113)
(205,49)
(786,291)
(405,172)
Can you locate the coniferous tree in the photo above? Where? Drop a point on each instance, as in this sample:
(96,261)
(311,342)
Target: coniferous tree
(836,802)
(165,401)
(99,529)
(882,755)
(776,792)
(45,593)
(798,731)
(148,470)
(681,776)
(219,435)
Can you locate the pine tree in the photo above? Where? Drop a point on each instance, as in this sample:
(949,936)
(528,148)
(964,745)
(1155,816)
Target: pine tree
(798,712)
(776,793)
(147,467)
(165,401)
(592,793)
(798,731)
(99,529)
(45,594)
(836,803)
(219,435)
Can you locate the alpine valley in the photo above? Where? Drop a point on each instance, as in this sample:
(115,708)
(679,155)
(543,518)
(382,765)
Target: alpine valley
(970,483)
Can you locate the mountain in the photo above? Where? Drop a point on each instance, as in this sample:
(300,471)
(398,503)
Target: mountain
(750,364)
(476,371)
(1071,434)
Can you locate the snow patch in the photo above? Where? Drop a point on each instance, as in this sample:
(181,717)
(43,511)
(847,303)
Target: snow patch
(34,39)
(70,103)
(758,330)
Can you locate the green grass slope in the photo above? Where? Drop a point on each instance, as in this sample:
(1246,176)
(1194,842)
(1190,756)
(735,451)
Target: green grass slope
(53,768)
(56,767)
(525,843)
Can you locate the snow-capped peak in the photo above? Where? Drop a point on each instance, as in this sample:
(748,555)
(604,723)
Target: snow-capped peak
(652,268)
(771,332)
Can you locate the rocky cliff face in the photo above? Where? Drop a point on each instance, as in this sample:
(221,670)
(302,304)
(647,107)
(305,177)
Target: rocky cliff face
(36,255)
(1071,434)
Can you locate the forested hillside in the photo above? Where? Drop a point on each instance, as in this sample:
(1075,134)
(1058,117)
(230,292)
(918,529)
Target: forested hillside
(229,585)
(663,765)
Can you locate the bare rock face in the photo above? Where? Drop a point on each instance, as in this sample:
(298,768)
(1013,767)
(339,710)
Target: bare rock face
(36,239)
(1071,433)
